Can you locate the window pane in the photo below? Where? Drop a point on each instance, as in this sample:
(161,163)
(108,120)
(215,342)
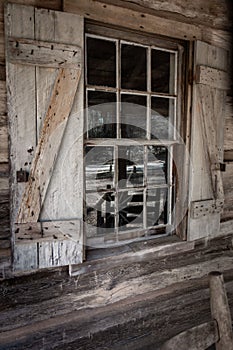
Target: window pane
(157,165)
(130,210)
(101,62)
(99,166)
(156,207)
(101,114)
(133,67)
(100,213)
(162,118)
(130,166)
(133,116)
(162,71)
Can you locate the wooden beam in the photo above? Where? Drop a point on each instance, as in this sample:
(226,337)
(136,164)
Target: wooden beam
(49,143)
(116,15)
(196,338)
(47,231)
(215,78)
(220,311)
(43,53)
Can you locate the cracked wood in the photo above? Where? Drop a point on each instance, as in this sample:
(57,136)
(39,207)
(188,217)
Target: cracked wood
(49,143)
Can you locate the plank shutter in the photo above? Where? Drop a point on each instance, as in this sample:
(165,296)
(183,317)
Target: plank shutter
(44,59)
(209,95)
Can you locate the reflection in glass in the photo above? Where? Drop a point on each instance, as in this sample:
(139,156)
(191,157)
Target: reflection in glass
(133,116)
(162,116)
(130,210)
(130,166)
(133,67)
(162,71)
(156,207)
(101,114)
(101,62)
(99,168)
(157,164)
(100,213)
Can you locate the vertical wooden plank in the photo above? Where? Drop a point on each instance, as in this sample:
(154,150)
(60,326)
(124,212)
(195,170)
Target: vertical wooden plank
(25,257)
(49,143)
(19,22)
(64,195)
(22,116)
(207,141)
(45,77)
(220,311)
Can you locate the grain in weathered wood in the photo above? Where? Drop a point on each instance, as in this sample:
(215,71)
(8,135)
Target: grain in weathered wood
(212,77)
(228,193)
(61,201)
(197,338)
(49,144)
(3,107)
(21,110)
(197,13)
(228,139)
(111,14)
(220,311)
(207,141)
(47,231)
(44,54)
(4,147)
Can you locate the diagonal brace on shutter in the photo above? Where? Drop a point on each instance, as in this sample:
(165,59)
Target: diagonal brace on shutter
(49,143)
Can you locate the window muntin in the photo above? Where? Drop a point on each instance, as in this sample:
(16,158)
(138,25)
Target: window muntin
(136,186)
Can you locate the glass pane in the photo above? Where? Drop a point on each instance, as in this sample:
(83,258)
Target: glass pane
(133,67)
(130,210)
(133,116)
(101,114)
(101,62)
(100,213)
(156,207)
(130,166)
(162,71)
(99,168)
(162,118)
(157,165)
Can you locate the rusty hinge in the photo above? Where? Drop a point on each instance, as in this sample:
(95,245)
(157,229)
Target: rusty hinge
(22,175)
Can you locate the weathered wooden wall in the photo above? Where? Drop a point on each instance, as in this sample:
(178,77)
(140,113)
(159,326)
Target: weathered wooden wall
(116,304)
(171,297)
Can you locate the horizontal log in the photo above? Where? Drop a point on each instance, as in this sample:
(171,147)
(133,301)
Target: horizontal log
(43,53)
(212,77)
(196,338)
(197,12)
(111,14)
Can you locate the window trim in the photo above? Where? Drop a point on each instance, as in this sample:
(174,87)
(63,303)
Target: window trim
(100,31)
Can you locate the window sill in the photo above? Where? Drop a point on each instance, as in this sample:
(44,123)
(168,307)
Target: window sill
(97,259)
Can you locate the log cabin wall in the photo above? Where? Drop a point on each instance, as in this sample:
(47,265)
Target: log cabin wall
(59,292)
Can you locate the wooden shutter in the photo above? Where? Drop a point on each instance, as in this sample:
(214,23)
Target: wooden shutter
(209,94)
(44,59)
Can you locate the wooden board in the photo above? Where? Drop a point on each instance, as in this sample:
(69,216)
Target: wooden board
(49,144)
(20,83)
(212,77)
(61,189)
(44,54)
(43,244)
(196,338)
(207,141)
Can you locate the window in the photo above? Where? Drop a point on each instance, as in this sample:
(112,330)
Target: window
(131,119)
